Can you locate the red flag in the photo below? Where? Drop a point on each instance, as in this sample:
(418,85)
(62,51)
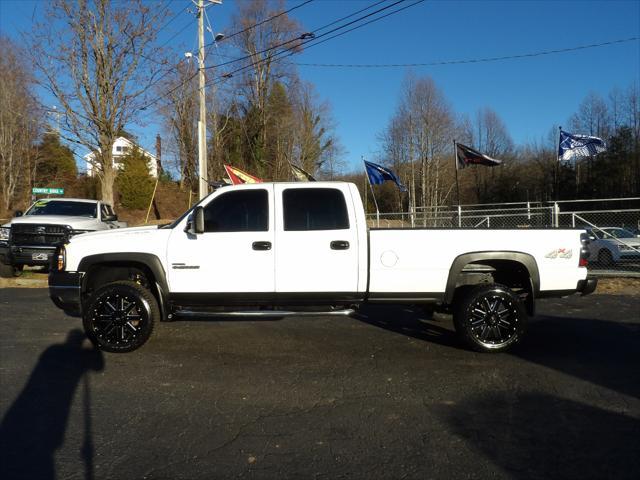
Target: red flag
(238,176)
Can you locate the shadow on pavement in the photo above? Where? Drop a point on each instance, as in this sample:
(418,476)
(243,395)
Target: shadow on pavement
(34,426)
(605,353)
(601,352)
(542,436)
(409,322)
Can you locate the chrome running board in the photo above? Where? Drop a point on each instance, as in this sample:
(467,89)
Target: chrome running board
(262,313)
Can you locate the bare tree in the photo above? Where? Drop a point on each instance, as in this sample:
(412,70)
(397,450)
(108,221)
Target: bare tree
(492,138)
(261,45)
(19,123)
(420,134)
(313,131)
(592,117)
(97,59)
(180,112)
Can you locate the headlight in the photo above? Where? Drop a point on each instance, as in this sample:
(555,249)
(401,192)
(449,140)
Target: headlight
(4,234)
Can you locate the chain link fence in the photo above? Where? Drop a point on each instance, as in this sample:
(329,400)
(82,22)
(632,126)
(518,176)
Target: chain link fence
(614,224)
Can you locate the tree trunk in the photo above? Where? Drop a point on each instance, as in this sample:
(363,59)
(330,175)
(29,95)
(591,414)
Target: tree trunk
(107,179)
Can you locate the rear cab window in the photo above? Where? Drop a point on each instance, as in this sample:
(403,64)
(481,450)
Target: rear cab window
(308,209)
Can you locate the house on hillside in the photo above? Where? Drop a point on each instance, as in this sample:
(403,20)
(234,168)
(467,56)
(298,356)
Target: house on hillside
(122,146)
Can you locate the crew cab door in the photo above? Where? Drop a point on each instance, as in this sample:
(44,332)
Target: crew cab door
(316,241)
(234,254)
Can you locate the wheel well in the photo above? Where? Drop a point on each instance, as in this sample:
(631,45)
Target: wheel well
(102,273)
(510,273)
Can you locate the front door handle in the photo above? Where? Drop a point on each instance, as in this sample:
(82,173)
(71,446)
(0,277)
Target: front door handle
(261,245)
(339,245)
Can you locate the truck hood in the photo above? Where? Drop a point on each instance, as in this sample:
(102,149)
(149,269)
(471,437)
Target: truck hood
(116,232)
(76,223)
(634,242)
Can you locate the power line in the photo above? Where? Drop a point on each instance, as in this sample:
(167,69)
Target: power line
(170,38)
(174,17)
(289,49)
(262,22)
(475,60)
(364,24)
(313,41)
(310,35)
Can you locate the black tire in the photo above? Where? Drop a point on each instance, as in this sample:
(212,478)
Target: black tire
(490,318)
(10,271)
(605,258)
(120,316)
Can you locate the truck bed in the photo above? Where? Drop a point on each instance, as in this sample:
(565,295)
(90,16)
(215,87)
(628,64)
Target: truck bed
(419,260)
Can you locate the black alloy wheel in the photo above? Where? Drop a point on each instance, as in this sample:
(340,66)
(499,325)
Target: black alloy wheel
(119,317)
(490,318)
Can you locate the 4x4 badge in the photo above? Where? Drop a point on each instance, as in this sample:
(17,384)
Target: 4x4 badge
(560,253)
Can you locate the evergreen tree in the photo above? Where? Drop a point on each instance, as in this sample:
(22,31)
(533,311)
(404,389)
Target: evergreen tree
(55,163)
(133,182)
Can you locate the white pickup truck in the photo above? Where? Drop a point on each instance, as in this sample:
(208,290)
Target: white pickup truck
(257,249)
(31,238)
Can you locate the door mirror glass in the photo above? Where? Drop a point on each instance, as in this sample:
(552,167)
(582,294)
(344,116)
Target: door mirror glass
(195,223)
(18,213)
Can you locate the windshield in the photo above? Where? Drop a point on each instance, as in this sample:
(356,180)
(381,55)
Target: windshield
(621,233)
(65,208)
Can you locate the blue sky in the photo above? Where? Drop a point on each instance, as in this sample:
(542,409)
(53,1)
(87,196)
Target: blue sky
(530,94)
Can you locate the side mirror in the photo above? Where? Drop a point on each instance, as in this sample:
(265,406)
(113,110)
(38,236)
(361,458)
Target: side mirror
(592,238)
(18,213)
(110,218)
(195,224)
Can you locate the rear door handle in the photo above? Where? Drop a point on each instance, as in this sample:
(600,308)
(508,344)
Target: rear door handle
(339,245)
(261,245)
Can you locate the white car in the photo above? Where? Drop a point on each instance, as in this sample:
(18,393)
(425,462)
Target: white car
(611,245)
(255,249)
(31,238)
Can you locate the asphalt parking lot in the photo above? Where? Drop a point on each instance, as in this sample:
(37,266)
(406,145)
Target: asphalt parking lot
(386,395)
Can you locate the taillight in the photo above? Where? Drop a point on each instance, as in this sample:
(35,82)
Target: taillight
(584,250)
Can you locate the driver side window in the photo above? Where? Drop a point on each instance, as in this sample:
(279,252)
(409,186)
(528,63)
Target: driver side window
(239,211)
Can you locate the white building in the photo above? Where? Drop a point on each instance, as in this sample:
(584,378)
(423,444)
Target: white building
(122,146)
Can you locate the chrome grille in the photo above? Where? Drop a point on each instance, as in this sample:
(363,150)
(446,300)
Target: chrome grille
(38,234)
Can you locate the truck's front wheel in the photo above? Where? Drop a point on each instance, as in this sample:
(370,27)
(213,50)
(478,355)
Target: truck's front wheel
(119,317)
(8,271)
(490,318)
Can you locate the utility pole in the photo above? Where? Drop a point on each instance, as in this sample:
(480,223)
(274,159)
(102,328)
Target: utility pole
(203,184)
(203,176)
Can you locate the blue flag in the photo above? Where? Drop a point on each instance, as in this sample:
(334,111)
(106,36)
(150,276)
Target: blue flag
(577,146)
(378,175)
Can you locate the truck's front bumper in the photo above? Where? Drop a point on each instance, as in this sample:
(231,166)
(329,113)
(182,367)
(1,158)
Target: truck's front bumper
(30,255)
(65,290)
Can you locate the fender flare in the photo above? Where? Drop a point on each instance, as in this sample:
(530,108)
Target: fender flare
(461,261)
(152,262)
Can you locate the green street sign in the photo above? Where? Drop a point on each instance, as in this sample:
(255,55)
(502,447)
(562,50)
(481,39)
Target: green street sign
(48,191)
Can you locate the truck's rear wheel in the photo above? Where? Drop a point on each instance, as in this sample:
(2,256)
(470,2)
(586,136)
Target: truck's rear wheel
(490,318)
(119,317)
